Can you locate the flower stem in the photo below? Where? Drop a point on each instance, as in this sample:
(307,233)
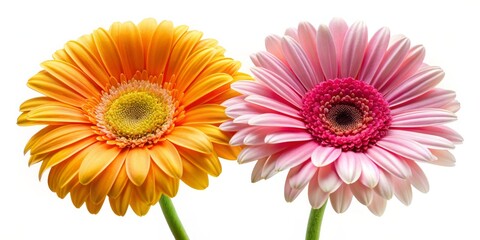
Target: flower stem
(173,221)
(315,223)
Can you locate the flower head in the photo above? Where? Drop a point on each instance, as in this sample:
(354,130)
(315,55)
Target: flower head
(129,112)
(347,115)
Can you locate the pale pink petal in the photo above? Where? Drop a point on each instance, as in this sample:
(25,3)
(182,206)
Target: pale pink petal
(362,193)
(328,179)
(348,168)
(257,170)
(389,162)
(251,135)
(327,55)
(273,44)
(274,105)
(294,156)
(429,141)
(422,118)
(444,158)
(338,28)
(274,81)
(418,178)
(233,101)
(237,139)
(230,126)
(441,131)
(323,156)
(378,205)
(390,62)
(253,88)
(341,199)
(292,33)
(353,52)
(307,37)
(253,153)
(384,187)
(269,169)
(287,136)
(453,106)
(370,172)
(270,62)
(243,108)
(243,119)
(434,98)
(290,193)
(416,85)
(298,62)
(402,190)
(299,176)
(316,196)
(406,148)
(409,66)
(373,54)
(276,120)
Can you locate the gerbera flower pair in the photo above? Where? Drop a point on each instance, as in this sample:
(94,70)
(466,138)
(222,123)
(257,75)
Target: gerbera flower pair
(131,111)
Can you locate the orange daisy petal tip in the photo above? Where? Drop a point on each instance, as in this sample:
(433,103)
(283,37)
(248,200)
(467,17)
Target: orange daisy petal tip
(129,112)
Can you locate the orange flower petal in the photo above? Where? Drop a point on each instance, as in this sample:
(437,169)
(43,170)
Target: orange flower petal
(147,190)
(61,137)
(104,182)
(138,165)
(207,162)
(94,207)
(205,85)
(57,114)
(159,49)
(47,84)
(71,167)
(79,195)
(226,151)
(33,103)
(192,67)
(138,206)
(164,183)
(194,177)
(119,205)
(68,151)
(96,161)
(146,29)
(108,52)
(166,156)
(190,138)
(213,133)
(182,48)
(129,43)
(205,114)
(121,181)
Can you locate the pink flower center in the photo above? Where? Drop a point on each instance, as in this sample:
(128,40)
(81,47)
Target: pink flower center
(346,113)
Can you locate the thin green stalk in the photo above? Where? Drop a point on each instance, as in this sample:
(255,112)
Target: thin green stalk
(315,223)
(173,221)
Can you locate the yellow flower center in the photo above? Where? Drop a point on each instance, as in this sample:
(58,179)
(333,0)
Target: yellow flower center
(135,113)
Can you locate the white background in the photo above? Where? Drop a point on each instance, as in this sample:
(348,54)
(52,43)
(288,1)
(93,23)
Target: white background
(232,207)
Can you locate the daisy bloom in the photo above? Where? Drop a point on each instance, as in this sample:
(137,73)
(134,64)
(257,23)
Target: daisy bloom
(347,115)
(129,112)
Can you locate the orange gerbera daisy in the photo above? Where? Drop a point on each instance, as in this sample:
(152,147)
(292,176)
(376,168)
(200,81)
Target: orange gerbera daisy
(129,112)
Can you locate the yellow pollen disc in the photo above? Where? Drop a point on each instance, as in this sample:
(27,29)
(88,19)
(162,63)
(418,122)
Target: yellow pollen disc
(135,113)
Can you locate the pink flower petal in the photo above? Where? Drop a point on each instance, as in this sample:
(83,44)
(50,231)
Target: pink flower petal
(230,126)
(288,136)
(274,105)
(316,196)
(338,28)
(390,62)
(384,187)
(273,45)
(323,156)
(341,199)
(373,54)
(292,33)
(291,193)
(406,148)
(441,131)
(362,193)
(253,88)
(243,108)
(307,37)
(327,55)
(348,168)
(298,62)
(378,205)
(418,178)
(233,101)
(444,158)
(274,81)
(435,98)
(299,176)
(389,162)
(294,156)
(429,141)
(253,153)
(276,120)
(257,170)
(270,62)
(416,85)
(409,66)
(354,47)
(269,169)
(370,172)
(402,190)
(422,118)
(328,179)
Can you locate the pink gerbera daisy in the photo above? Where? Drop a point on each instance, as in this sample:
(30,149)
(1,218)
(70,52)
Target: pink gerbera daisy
(347,115)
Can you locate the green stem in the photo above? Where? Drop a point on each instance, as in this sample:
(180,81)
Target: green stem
(173,221)
(315,223)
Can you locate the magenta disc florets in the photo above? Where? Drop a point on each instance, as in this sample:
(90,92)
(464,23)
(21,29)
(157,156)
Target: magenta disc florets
(346,113)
